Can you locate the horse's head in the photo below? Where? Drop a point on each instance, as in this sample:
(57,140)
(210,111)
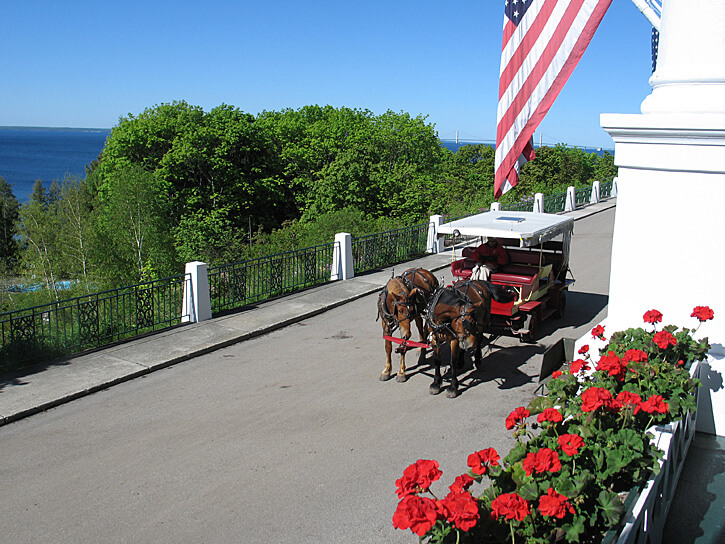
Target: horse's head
(452,316)
(401,306)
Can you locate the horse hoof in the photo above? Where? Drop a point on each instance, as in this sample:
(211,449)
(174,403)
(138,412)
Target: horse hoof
(434,389)
(452,393)
(385,377)
(401,378)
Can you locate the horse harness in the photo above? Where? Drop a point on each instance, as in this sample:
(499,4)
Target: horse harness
(418,303)
(436,327)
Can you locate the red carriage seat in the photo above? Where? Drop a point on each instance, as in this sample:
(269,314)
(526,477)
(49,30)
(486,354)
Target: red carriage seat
(462,268)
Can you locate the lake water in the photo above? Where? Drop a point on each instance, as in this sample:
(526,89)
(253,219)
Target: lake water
(29,154)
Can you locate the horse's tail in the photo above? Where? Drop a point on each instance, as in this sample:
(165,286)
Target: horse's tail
(499,293)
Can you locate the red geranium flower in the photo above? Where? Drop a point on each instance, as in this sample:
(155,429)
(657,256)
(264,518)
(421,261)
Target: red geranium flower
(570,443)
(663,339)
(544,460)
(634,356)
(511,506)
(578,366)
(702,313)
(652,316)
(612,365)
(481,460)
(418,477)
(461,483)
(556,374)
(550,414)
(516,417)
(416,513)
(554,505)
(595,397)
(461,509)
(584,349)
(655,405)
(598,332)
(626,398)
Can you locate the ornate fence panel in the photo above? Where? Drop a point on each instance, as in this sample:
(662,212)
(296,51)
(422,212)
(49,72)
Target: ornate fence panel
(235,285)
(583,195)
(90,321)
(605,189)
(387,248)
(520,206)
(555,203)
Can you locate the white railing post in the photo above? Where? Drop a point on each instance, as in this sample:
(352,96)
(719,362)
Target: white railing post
(596,192)
(495,206)
(342,265)
(570,204)
(539,203)
(434,245)
(197,302)
(614,186)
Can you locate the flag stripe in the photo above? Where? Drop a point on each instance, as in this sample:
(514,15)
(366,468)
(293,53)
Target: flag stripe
(557,48)
(537,58)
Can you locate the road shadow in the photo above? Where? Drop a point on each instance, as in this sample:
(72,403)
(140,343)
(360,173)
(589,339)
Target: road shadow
(500,364)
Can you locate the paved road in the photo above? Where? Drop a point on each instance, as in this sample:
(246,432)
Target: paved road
(284,438)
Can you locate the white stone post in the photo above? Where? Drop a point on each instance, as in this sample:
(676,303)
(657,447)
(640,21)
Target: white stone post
(434,245)
(570,204)
(495,206)
(596,192)
(342,263)
(670,189)
(197,300)
(539,203)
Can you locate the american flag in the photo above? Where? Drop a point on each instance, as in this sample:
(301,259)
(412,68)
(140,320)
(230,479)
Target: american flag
(543,41)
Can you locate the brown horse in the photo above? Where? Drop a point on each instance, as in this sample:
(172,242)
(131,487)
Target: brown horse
(458,316)
(480,293)
(402,301)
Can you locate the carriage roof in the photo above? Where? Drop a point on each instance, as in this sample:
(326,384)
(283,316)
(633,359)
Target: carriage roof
(530,228)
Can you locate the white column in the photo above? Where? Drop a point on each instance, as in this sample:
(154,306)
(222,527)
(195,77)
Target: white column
(670,190)
(594,198)
(197,301)
(539,203)
(570,204)
(434,245)
(342,262)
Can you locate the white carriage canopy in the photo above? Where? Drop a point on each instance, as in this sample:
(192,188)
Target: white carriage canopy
(531,229)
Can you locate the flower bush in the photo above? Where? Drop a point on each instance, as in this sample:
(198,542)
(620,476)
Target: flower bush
(573,464)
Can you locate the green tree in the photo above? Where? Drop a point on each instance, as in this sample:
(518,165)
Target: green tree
(39,236)
(135,240)
(76,230)
(9,215)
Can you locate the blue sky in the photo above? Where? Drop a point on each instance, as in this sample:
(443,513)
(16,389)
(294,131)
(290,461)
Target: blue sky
(86,64)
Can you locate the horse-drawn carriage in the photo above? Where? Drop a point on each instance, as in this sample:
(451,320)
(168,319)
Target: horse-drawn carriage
(529,289)
(537,245)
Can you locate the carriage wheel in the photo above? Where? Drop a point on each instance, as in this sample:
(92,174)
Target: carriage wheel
(560,305)
(531,325)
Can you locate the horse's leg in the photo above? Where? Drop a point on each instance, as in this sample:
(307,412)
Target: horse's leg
(401,377)
(435,387)
(423,337)
(456,358)
(385,376)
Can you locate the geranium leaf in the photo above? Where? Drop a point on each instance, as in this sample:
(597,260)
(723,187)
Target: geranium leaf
(574,530)
(611,506)
(539,404)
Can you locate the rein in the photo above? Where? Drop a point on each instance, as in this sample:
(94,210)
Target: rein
(389,317)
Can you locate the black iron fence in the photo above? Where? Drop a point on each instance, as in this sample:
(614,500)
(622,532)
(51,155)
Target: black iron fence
(555,203)
(234,285)
(605,189)
(90,321)
(387,248)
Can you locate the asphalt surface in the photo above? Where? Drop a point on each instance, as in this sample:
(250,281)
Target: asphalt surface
(269,425)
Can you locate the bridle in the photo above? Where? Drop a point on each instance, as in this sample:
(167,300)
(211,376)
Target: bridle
(390,318)
(439,328)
